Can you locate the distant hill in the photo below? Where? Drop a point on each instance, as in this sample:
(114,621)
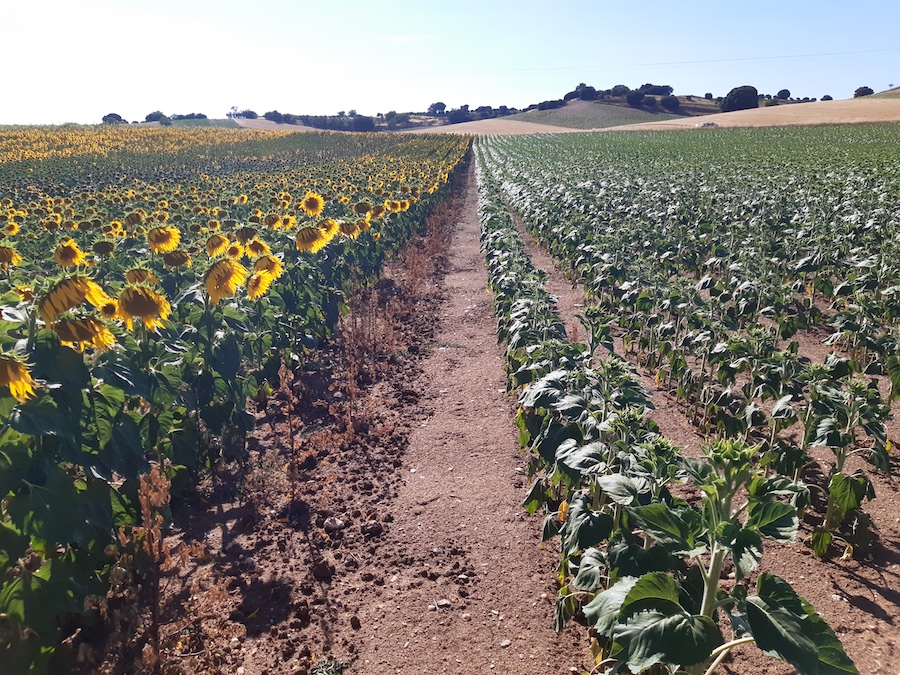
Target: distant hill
(888,93)
(591,115)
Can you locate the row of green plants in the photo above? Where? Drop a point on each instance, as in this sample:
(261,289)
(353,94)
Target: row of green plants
(639,564)
(716,258)
(128,366)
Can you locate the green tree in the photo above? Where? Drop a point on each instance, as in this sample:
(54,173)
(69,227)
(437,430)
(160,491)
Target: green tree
(863,91)
(784,94)
(741,98)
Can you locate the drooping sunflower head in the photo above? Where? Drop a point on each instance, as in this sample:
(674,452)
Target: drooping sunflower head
(140,302)
(216,245)
(9,256)
(68,294)
(140,275)
(177,259)
(103,247)
(257,247)
(312,204)
(26,293)
(67,254)
(84,332)
(163,239)
(349,229)
(245,234)
(311,239)
(258,284)
(270,264)
(14,374)
(223,278)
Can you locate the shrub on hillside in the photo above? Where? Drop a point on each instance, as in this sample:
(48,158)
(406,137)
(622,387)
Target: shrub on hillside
(634,98)
(863,91)
(784,94)
(671,103)
(274,116)
(708,96)
(827,97)
(740,98)
(650,101)
(155,116)
(113,118)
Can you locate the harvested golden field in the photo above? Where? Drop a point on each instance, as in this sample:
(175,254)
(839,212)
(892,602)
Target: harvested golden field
(851,111)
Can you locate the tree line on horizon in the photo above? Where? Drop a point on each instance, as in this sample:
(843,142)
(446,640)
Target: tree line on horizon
(739,98)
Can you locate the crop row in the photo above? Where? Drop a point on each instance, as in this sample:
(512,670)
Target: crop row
(140,313)
(717,270)
(639,564)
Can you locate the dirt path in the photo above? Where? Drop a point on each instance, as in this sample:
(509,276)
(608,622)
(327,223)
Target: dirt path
(483,601)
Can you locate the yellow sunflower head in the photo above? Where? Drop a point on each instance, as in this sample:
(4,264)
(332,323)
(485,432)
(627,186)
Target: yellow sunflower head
(67,254)
(270,264)
(9,256)
(258,284)
(216,245)
(85,332)
(223,278)
(68,294)
(235,251)
(256,247)
(14,374)
(140,302)
(312,204)
(163,239)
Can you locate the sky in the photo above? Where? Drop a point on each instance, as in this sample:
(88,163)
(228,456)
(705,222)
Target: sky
(78,60)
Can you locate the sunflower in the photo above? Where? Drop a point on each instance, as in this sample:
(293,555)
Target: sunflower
(312,204)
(349,229)
(270,264)
(258,285)
(256,247)
(67,254)
(139,275)
(104,247)
(223,278)
(163,239)
(12,228)
(9,256)
(216,245)
(140,302)
(85,332)
(15,375)
(177,259)
(26,293)
(235,251)
(245,234)
(68,294)
(109,310)
(311,238)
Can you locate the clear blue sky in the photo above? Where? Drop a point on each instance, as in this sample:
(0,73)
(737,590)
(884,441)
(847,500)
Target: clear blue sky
(77,60)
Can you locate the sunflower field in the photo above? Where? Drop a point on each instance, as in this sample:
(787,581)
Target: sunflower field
(150,281)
